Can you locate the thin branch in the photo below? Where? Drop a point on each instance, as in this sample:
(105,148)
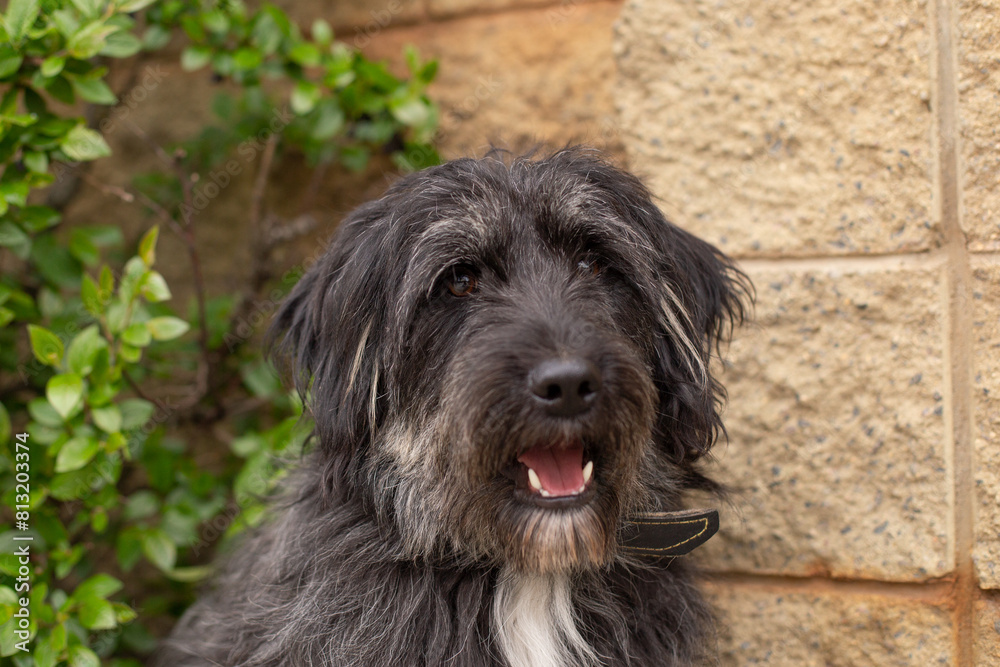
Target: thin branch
(135,387)
(186,233)
(155,147)
(130,197)
(260,183)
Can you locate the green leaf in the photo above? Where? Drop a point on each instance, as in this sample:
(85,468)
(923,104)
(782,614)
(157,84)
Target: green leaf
(247,59)
(305,54)
(99,519)
(46,345)
(89,8)
(322,33)
(129,353)
(133,274)
(64,393)
(76,453)
(190,574)
(90,293)
(84,349)
(99,586)
(4,426)
(154,288)
(329,121)
(121,45)
(159,549)
(83,144)
(135,412)
(94,90)
(108,418)
(20,16)
(59,87)
(81,656)
(88,41)
(155,37)
(10,62)
(124,614)
(96,614)
(66,21)
(147,246)
(83,248)
(11,236)
(53,65)
(39,218)
(46,654)
(413,112)
(128,547)
(305,95)
(167,327)
(195,57)
(141,505)
(37,162)
(107,282)
(43,413)
(129,6)
(137,335)
(215,21)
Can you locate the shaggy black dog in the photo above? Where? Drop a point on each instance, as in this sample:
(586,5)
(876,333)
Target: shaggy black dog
(505,358)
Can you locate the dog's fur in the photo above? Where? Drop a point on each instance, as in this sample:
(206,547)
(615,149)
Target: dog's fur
(405,539)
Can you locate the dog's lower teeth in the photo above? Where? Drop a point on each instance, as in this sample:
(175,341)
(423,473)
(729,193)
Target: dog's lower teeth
(536,483)
(588,470)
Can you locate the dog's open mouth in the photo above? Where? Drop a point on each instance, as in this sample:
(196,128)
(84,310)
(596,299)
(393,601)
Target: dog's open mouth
(556,474)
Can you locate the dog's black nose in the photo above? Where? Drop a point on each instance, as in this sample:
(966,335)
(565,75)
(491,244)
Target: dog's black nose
(565,387)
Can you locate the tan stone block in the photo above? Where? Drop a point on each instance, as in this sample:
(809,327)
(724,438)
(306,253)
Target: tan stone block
(762,625)
(520,78)
(784,129)
(986,392)
(978,45)
(837,429)
(358,21)
(987,631)
(442,8)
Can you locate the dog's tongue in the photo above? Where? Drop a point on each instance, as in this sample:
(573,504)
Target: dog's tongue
(559,469)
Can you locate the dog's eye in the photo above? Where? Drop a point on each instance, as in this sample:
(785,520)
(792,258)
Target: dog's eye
(589,266)
(462,281)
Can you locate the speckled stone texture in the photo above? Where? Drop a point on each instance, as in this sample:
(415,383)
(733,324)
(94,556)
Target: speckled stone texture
(357,19)
(837,429)
(986,392)
(784,128)
(978,43)
(987,631)
(828,629)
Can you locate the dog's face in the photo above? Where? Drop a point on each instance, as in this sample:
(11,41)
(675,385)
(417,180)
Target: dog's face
(506,357)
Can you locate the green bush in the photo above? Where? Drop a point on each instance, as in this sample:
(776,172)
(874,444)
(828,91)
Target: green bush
(121,513)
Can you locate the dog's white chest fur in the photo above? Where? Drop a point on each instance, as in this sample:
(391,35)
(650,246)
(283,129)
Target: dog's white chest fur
(534,624)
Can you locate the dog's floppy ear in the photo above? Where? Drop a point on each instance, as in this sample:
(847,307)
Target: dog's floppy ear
(698,295)
(703,297)
(326,335)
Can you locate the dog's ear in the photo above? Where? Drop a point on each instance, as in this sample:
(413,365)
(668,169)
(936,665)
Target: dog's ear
(327,333)
(698,295)
(703,296)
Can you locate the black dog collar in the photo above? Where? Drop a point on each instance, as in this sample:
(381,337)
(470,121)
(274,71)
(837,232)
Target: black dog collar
(661,534)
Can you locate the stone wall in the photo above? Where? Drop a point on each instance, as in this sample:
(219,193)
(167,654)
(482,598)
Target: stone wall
(846,153)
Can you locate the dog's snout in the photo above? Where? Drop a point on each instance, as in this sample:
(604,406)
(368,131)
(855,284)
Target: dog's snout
(565,387)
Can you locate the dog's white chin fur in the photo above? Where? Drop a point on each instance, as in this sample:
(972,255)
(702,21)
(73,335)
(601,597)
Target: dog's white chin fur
(534,622)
